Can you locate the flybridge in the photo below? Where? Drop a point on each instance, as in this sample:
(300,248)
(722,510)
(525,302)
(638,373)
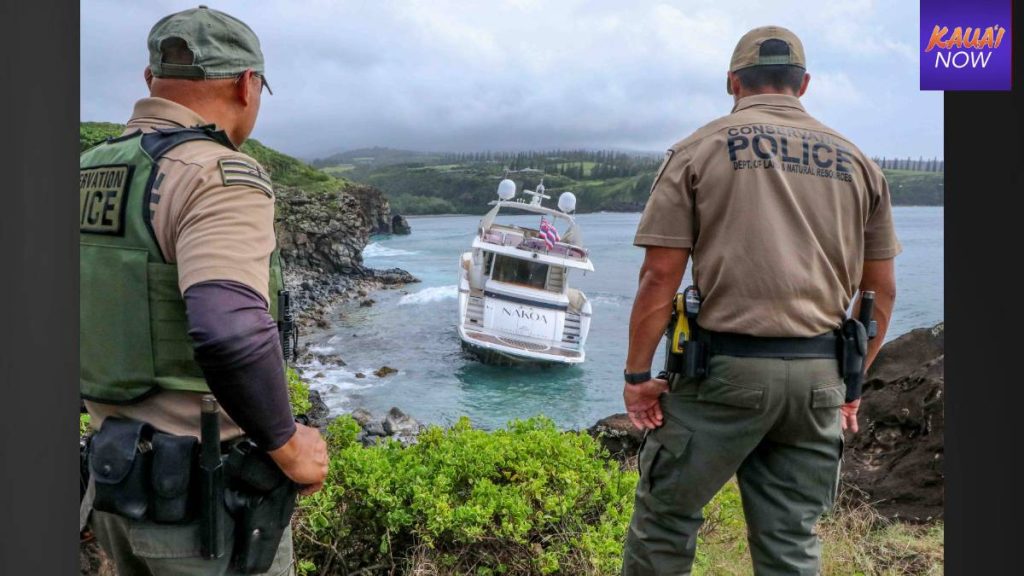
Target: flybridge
(980,43)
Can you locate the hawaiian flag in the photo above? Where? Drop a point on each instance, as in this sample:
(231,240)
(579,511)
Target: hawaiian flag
(548,233)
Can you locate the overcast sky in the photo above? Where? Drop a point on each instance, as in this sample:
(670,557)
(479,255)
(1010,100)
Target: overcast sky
(532,74)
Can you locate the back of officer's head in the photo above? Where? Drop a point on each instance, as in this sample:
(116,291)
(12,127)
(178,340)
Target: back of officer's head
(210,62)
(784,78)
(768,60)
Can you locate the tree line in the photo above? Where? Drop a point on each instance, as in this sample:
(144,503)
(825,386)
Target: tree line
(919,165)
(575,164)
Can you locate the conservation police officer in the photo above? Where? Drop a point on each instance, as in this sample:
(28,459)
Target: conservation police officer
(785,220)
(180,281)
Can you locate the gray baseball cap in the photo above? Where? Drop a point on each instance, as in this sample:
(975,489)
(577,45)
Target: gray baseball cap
(222,46)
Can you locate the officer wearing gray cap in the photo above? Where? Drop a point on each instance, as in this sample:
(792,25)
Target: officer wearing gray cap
(785,220)
(181,298)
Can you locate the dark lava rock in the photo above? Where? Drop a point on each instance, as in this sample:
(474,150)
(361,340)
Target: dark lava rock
(318,413)
(399,225)
(618,435)
(384,371)
(367,303)
(360,375)
(392,276)
(375,429)
(398,423)
(897,458)
(362,416)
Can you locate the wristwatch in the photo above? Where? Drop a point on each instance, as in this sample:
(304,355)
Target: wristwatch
(636,377)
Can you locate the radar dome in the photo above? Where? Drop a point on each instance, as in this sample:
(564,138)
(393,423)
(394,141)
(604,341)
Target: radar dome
(506,189)
(567,202)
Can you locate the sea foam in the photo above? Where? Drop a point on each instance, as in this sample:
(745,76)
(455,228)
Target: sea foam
(432,294)
(375,250)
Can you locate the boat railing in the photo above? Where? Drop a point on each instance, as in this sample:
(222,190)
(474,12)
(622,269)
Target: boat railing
(534,244)
(556,249)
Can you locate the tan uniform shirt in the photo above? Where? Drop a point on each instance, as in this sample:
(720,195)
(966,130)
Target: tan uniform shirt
(213,215)
(780,212)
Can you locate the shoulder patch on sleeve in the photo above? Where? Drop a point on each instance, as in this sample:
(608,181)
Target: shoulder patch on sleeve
(239,171)
(661,170)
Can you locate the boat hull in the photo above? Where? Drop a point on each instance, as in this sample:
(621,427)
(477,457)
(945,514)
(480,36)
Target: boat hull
(498,358)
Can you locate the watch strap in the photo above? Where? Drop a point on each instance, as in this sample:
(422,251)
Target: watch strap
(636,377)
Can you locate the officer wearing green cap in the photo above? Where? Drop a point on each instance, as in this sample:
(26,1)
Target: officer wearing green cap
(181,297)
(785,220)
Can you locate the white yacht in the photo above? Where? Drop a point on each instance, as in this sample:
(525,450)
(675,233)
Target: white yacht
(515,303)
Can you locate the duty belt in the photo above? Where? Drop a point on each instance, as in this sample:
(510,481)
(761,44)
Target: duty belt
(729,344)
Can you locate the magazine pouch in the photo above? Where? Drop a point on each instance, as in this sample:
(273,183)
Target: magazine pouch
(119,457)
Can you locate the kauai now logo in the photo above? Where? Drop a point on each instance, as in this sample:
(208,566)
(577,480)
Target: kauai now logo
(964,47)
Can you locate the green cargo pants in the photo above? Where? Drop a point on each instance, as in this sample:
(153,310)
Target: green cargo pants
(150,549)
(772,422)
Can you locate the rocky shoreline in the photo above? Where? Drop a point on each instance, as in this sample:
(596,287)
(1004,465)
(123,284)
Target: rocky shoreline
(322,237)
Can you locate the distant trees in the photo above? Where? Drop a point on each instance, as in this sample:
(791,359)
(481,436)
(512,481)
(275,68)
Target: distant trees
(574,164)
(919,165)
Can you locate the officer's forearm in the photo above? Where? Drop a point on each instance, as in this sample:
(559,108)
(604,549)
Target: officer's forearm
(879,277)
(238,348)
(659,281)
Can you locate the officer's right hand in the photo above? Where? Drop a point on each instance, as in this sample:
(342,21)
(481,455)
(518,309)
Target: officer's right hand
(643,403)
(303,458)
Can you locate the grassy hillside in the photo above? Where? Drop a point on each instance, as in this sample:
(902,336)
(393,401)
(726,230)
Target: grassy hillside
(420,183)
(915,188)
(464,183)
(284,170)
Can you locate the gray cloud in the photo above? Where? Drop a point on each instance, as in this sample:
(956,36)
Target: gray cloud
(514,74)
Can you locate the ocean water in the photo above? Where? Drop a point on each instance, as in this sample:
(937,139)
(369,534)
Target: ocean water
(413,328)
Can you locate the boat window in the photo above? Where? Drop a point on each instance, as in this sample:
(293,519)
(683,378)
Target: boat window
(517,271)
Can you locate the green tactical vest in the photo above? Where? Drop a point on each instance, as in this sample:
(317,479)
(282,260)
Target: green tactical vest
(133,327)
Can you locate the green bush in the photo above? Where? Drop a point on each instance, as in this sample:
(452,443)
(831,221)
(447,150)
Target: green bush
(298,393)
(527,499)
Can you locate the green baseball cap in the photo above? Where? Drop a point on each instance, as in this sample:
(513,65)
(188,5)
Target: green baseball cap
(222,46)
(748,50)
(747,53)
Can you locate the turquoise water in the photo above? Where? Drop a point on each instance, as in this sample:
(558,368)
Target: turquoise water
(413,329)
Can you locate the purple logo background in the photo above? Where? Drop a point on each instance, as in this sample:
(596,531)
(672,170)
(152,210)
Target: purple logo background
(997,73)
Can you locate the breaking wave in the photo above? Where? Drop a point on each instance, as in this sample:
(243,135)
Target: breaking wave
(375,250)
(432,294)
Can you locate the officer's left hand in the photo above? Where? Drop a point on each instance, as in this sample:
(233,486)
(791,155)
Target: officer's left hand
(848,415)
(642,403)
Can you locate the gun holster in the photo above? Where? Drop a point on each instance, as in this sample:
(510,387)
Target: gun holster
(260,499)
(852,353)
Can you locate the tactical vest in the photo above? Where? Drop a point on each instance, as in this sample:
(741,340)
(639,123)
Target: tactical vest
(133,327)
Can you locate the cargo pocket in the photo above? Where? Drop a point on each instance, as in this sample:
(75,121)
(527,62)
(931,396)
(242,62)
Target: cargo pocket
(661,460)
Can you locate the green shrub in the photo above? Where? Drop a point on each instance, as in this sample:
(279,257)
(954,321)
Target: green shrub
(298,393)
(527,499)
